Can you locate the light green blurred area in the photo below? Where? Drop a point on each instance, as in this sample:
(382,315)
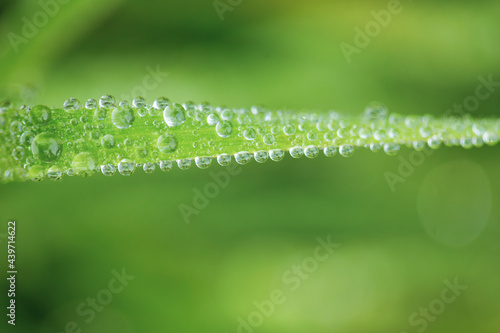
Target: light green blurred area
(396,247)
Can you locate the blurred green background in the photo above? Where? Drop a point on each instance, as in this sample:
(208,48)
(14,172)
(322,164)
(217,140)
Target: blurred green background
(396,247)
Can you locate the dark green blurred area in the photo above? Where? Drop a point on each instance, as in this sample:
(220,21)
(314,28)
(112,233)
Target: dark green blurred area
(397,247)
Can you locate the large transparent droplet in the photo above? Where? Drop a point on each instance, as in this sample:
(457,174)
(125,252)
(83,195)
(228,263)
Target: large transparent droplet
(40,115)
(123,118)
(276,155)
(107,101)
(243,157)
(224,129)
(84,164)
(167,143)
(46,147)
(203,162)
(126,167)
(174,115)
(224,159)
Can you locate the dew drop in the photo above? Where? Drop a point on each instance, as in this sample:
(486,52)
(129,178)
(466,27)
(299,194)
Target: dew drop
(40,115)
(36,173)
(167,143)
(312,136)
(108,170)
(54,173)
(346,150)
(297,152)
(250,133)
(391,148)
(139,102)
(46,147)
(107,101)
(108,141)
(311,151)
(268,139)
(425,132)
(330,151)
(16,127)
(122,118)
(376,111)
(490,138)
(379,135)
(203,162)
(227,115)
(161,103)
(375,147)
(165,166)
(149,167)
(71,104)
(434,142)
(224,129)
(184,164)
(213,119)
(418,145)
(18,153)
(84,164)
(126,167)
(276,155)
(174,115)
(243,157)
(224,159)
(91,104)
(466,142)
(260,156)
(289,129)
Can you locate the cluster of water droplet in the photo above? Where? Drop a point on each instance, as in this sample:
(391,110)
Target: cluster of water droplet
(39,141)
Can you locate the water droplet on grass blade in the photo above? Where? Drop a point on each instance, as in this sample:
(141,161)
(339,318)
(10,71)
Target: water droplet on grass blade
(165,166)
(203,162)
(46,147)
(107,101)
(311,151)
(54,173)
(391,148)
(276,155)
(297,152)
(346,150)
(174,115)
(40,115)
(167,143)
(224,129)
(184,164)
(243,157)
(108,170)
(84,164)
(224,159)
(126,167)
(260,156)
(330,151)
(123,118)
